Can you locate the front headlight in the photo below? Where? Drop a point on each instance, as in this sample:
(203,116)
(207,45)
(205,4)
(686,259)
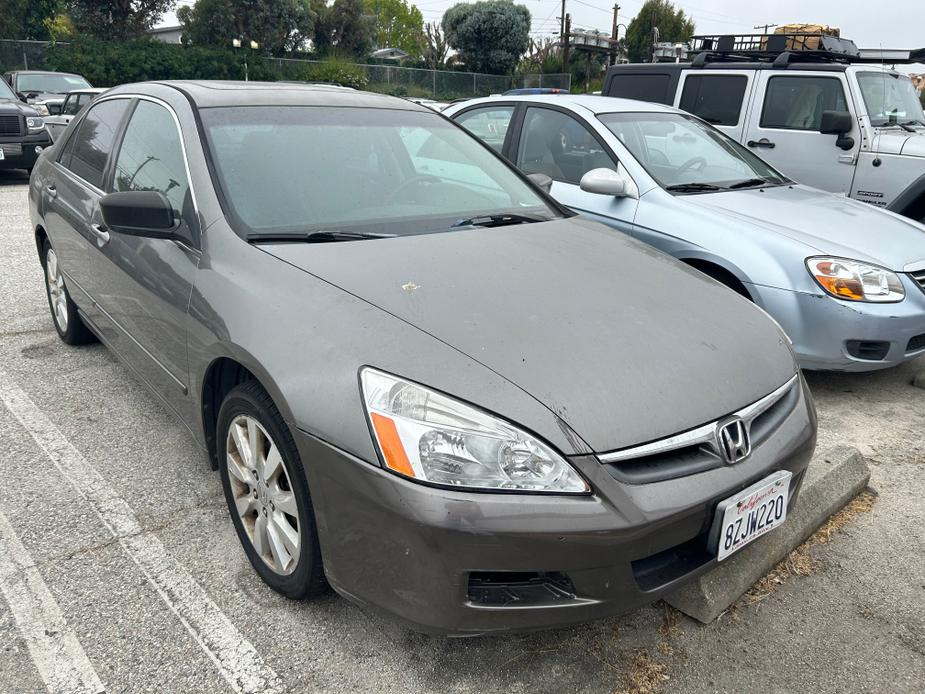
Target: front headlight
(428,436)
(42,109)
(34,123)
(856,281)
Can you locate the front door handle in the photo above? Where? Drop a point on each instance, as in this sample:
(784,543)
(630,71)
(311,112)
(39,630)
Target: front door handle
(51,190)
(763,142)
(101,233)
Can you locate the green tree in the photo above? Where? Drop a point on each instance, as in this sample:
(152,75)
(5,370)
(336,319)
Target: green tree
(398,24)
(116,19)
(673,25)
(344,28)
(490,36)
(28,19)
(277,25)
(434,48)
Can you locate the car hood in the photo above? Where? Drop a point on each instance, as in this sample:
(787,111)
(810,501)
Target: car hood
(826,223)
(622,342)
(895,140)
(46,98)
(16,106)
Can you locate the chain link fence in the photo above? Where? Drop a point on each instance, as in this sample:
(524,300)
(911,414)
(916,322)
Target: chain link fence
(22,55)
(551,81)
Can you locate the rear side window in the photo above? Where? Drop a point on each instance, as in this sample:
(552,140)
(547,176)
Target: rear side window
(644,87)
(715,98)
(93,141)
(797,103)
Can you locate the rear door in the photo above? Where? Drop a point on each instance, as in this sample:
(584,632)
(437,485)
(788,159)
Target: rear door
(783,127)
(143,285)
(720,97)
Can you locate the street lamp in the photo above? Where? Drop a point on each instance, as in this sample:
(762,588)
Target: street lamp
(238,43)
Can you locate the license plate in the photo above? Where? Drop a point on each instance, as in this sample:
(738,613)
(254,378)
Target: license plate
(751,513)
(2,155)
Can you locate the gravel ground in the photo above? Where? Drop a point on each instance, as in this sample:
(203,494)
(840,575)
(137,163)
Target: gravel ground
(854,623)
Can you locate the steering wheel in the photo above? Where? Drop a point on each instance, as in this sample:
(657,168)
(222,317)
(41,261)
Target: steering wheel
(415,180)
(699,162)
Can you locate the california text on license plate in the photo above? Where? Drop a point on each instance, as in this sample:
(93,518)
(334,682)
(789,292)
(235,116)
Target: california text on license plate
(751,513)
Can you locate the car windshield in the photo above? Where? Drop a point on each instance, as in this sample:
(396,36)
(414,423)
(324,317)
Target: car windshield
(49,83)
(369,171)
(681,152)
(890,98)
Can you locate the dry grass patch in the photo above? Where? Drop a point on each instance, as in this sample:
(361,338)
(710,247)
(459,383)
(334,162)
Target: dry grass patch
(671,622)
(800,561)
(645,676)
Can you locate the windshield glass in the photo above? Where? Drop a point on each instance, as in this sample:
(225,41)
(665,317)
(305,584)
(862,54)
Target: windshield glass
(890,98)
(49,83)
(393,172)
(679,150)
(5,91)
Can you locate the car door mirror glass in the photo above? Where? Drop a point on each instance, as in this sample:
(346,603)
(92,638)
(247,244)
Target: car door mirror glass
(836,123)
(542,181)
(604,182)
(139,213)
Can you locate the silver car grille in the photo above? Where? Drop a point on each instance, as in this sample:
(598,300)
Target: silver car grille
(702,448)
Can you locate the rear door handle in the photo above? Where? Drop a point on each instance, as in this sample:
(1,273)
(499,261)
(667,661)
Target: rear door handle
(101,233)
(763,142)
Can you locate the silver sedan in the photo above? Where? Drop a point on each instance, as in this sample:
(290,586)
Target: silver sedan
(844,279)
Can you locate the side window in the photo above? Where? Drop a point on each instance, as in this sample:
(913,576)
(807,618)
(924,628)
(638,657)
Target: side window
(647,86)
(151,157)
(715,98)
(797,103)
(488,124)
(70,105)
(94,140)
(559,146)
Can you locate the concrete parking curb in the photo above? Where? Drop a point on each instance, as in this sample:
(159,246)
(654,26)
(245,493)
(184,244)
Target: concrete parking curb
(919,380)
(832,479)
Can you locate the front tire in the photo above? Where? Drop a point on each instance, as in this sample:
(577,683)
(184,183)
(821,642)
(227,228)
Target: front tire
(64,315)
(267,493)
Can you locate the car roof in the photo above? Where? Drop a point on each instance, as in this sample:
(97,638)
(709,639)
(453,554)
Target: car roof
(591,102)
(216,93)
(43,72)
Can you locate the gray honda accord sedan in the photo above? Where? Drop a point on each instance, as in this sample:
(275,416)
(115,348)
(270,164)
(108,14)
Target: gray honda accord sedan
(422,380)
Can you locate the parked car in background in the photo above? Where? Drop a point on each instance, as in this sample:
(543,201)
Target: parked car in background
(44,89)
(22,132)
(423,380)
(836,118)
(845,280)
(73,103)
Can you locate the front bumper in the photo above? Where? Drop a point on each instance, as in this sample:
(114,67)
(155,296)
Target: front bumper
(833,335)
(420,553)
(19,151)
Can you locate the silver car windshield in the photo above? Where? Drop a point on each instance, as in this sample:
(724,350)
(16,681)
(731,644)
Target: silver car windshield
(890,98)
(685,154)
(373,171)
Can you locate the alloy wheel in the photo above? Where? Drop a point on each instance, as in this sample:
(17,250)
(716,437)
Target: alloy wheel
(262,492)
(55,280)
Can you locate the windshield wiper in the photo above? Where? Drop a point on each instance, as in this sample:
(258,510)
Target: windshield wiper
(751,183)
(693,187)
(890,124)
(498,220)
(320,236)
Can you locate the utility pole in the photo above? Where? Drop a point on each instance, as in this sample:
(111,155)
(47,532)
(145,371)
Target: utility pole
(565,43)
(760,26)
(562,27)
(613,35)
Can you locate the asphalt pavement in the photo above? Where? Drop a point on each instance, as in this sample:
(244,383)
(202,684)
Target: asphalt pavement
(120,570)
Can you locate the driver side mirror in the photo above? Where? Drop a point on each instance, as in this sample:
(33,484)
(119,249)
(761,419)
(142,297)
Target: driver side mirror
(146,213)
(604,182)
(838,123)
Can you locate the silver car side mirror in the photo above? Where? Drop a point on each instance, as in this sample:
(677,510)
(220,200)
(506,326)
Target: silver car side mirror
(604,182)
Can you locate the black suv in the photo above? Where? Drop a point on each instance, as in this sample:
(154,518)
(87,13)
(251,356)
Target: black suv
(22,131)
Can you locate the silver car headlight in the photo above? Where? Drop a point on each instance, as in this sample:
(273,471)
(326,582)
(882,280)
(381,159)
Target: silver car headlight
(34,123)
(854,280)
(430,437)
(41,109)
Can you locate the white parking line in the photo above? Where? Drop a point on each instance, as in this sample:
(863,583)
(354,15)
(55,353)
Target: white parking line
(236,658)
(55,650)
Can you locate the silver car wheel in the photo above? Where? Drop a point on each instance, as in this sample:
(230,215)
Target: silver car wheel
(263,494)
(56,292)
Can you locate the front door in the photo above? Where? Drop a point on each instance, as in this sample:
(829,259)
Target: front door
(558,144)
(143,285)
(784,124)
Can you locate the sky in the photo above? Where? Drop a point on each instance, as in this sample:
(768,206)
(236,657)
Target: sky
(891,24)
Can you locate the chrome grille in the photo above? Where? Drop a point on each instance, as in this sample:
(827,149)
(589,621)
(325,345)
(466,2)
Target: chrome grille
(919,278)
(11,150)
(10,125)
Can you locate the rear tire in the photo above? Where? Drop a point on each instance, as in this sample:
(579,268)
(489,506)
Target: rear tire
(64,315)
(267,493)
